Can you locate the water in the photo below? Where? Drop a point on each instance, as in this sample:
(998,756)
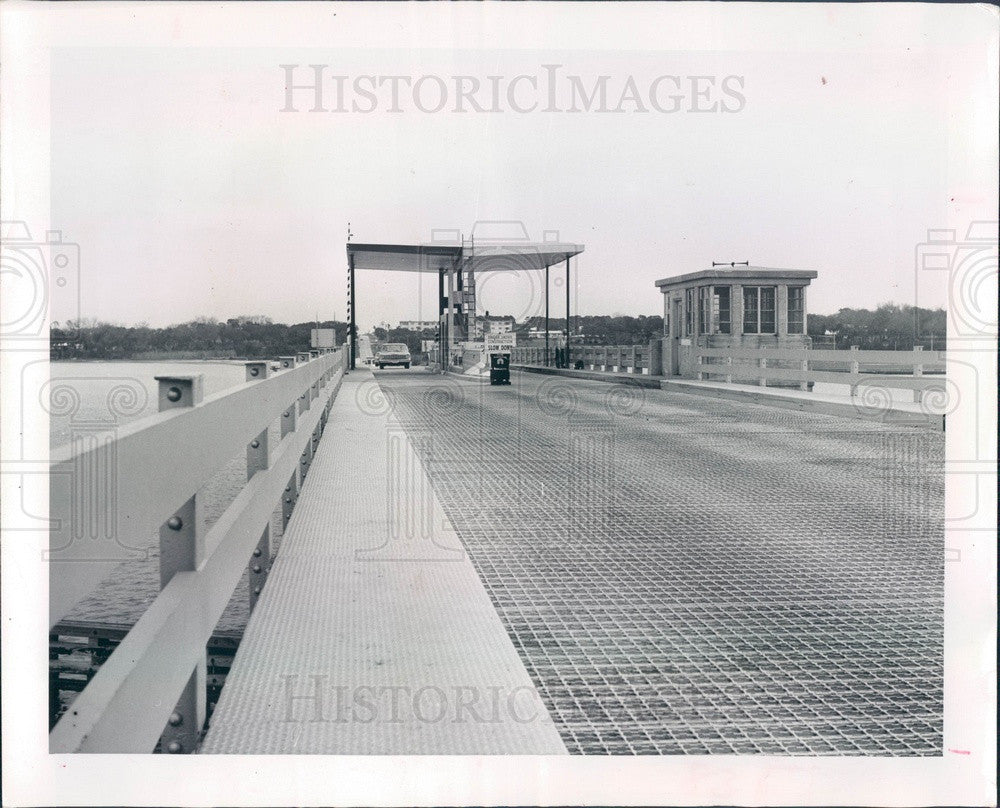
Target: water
(116,393)
(82,395)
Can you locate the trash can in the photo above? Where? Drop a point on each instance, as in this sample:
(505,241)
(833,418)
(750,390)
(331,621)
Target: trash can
(499,368)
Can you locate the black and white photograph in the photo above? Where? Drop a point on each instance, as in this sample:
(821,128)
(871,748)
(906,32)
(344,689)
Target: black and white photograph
(494,403)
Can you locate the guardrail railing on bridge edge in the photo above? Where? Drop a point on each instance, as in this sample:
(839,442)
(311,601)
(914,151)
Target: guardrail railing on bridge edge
(762,365)
(757,366)
(635,359)
(152,688)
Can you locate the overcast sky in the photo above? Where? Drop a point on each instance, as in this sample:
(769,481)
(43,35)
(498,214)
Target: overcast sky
(192,193)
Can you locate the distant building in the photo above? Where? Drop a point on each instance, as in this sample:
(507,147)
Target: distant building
(493,325)
(539,333)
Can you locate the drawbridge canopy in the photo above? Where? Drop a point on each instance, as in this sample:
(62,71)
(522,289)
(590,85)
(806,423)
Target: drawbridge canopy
(480,257)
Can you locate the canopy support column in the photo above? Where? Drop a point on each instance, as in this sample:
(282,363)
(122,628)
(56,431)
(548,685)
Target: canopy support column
(352,328)
(546,316)
(566,354)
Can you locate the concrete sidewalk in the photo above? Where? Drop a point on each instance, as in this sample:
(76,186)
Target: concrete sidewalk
(374,634)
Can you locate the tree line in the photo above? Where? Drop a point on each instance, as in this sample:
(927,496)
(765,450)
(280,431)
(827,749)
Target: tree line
(890,326)
(248,337)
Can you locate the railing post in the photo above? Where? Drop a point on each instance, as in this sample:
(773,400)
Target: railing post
(256,371)
(762,381)
(258,457)
(305,401)
(288,419)
(855,370)
(918,371)
(304,461)
(655,357)
(181,549)
(288,501)
(729,369)
(259,565)
(180,391)
(257,450)
(184,725)
(698,362)
(804,366)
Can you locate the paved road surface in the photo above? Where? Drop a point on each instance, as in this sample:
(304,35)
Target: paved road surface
(687,575)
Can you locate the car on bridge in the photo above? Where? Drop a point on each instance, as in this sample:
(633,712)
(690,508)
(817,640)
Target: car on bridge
(394,353)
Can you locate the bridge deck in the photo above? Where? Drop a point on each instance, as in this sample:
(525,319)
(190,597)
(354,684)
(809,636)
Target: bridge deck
(677,574)
(374,634)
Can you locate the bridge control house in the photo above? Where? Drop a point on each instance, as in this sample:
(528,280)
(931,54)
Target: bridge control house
(722,307)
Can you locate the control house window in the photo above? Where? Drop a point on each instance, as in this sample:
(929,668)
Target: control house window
(714,307)
(721,310)
(688,312)
(758,309)
(796,309)
(705,307)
